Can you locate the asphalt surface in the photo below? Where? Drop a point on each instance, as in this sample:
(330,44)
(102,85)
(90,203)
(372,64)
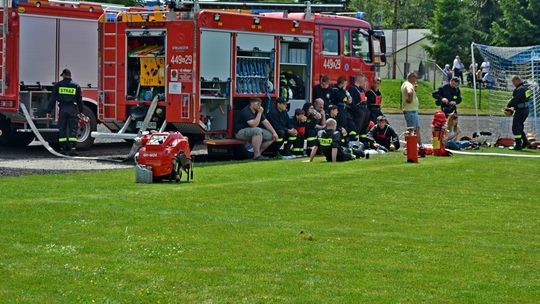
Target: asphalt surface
(35,159)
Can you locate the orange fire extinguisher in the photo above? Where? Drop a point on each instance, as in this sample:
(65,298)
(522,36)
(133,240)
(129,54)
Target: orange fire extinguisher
(412,146)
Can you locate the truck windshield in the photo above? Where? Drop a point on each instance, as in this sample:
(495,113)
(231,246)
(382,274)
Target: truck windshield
(360,44)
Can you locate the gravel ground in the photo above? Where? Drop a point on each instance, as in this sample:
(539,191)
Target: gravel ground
(34,159)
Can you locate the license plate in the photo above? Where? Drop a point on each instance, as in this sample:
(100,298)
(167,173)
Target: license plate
(151,125)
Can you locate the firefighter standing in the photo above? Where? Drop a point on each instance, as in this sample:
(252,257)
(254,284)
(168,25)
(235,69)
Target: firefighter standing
(449,96)
(68,95)
(520,104)
(374,100)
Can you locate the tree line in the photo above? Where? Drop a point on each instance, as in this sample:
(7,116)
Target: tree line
(454,24)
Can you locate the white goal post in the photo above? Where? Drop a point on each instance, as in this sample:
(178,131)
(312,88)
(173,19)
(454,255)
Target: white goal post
(504,62)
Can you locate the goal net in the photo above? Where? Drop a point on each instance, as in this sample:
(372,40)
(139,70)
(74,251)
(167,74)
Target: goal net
(493,86)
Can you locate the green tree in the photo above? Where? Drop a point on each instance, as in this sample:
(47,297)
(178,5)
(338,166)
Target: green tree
(411,13)
(483,14)
(520,24)
(450,32)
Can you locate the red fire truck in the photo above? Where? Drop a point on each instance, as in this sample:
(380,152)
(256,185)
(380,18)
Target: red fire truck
(202,66)
(38,39)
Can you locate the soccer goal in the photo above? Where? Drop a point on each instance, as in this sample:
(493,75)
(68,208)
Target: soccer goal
(493,90)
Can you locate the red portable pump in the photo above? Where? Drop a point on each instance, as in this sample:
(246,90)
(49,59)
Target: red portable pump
(166,154)
(438,124)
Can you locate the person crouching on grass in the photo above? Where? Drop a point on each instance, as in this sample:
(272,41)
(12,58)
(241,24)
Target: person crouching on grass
(329,141)
(382,136)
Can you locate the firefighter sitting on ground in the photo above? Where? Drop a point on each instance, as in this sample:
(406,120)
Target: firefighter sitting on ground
(300,124)
(315,121)
(329,141)
(287,134)
(382,136)
(68,95)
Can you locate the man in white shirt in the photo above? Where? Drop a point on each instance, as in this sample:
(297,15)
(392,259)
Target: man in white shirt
(458,68)
(410,104)
(485,68)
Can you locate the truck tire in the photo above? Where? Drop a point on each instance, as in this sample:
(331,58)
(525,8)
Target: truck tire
(194,140)
(85,139)
(10,138)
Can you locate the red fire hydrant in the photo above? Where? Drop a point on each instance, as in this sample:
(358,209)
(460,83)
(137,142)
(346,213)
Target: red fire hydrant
(438,132)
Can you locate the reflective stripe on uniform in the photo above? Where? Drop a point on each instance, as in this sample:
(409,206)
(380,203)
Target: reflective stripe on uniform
(292,138)
(517,136)
(352,133)
(62,139)
(363,136)
(528,93)
(279,140)
(311,138)
(72,139)
(67,91)
(326,142)
(297,149)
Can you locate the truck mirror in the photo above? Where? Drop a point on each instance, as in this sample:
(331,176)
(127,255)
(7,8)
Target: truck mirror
(379,35)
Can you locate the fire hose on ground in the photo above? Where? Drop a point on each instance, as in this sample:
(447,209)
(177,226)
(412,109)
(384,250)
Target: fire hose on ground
(133,150)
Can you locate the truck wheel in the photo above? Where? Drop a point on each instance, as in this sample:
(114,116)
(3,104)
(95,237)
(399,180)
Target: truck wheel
(10,138)
(85,139)
(194,140)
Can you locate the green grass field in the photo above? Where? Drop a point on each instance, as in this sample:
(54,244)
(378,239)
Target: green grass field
(448,230)
(392,97)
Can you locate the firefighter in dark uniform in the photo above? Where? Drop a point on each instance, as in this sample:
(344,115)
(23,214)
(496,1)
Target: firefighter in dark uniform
(329,141)
(312,125)
(449,96)
(280,120)
(300,124)
(336,114)
(520,104)
(323,91)
(342,99)
(360,110)
(374,100)
(382,136)
(68,95)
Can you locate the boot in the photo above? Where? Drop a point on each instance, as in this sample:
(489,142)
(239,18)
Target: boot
(518,144)
(64,148)
(72,149)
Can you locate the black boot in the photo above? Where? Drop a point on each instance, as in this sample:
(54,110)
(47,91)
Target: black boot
(518,144)
(64,148)
(72,149)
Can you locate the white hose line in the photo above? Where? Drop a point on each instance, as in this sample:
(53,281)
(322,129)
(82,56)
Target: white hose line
(48,147)
(492,154)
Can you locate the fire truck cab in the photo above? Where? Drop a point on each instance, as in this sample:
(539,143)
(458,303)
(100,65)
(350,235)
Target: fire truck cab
(202,66)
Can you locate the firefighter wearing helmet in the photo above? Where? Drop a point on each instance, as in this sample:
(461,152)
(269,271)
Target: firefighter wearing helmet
(520,104)
(68,95)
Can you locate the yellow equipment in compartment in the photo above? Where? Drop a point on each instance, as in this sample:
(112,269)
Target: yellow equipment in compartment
(152,71)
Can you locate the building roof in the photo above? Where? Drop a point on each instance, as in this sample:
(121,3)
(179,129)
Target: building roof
(414,36)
